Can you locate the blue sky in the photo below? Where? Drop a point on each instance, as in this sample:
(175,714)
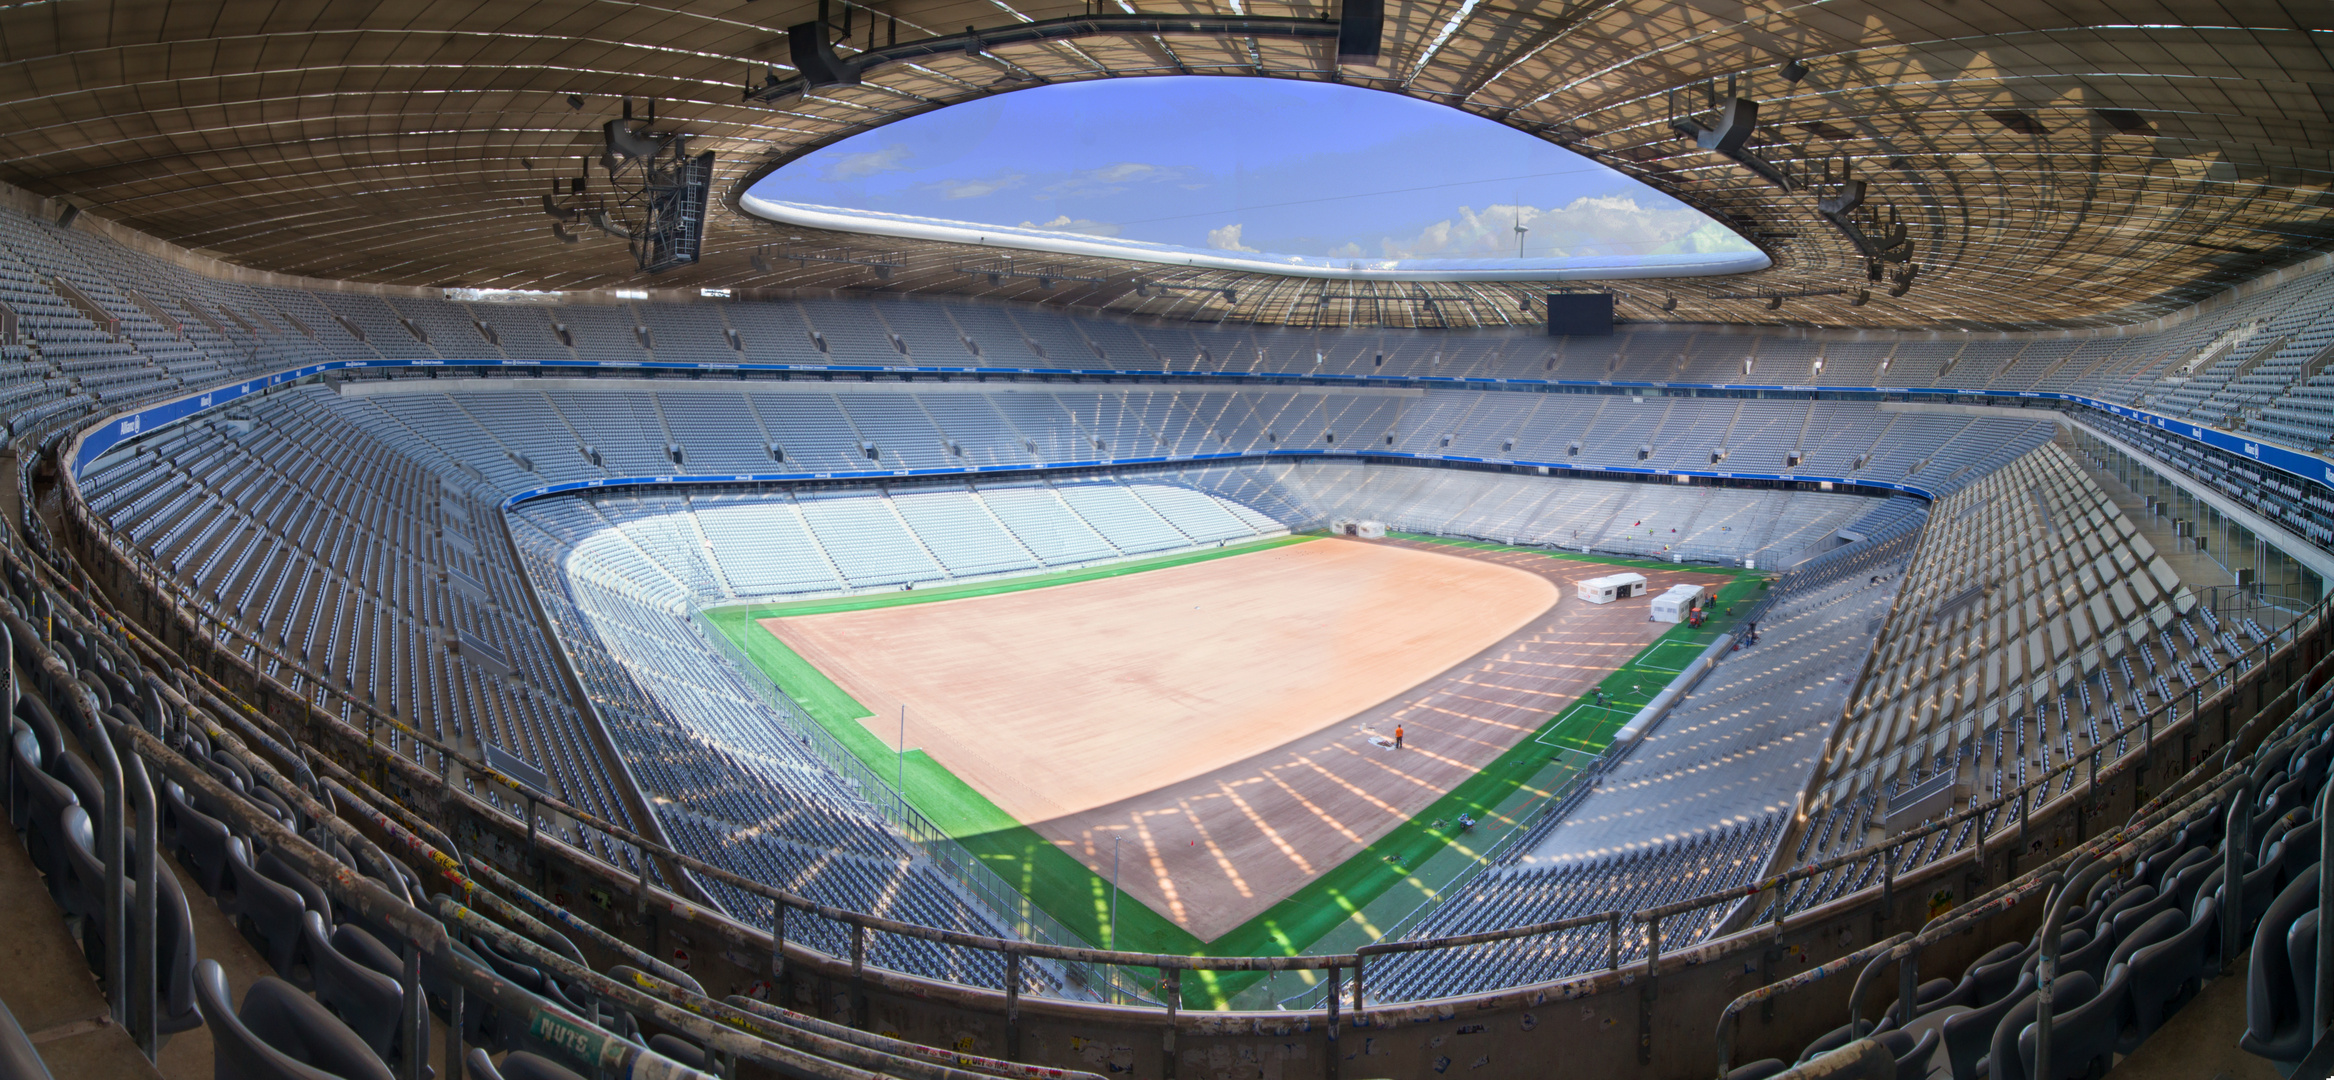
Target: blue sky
(1244,165)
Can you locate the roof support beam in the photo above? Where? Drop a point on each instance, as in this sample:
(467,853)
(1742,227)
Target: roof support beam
(847,71)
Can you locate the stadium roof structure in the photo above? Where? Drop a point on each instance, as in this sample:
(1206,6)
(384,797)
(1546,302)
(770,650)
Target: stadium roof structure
(2043,165)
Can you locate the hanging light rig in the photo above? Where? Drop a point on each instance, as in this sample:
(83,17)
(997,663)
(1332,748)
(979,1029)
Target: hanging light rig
(1872,225)
(656,198)
(569,202)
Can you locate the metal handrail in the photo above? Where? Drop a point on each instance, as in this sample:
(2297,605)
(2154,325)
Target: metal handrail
(1809,977)
(2106,771)
(169,584)
(2059,674)
(168,588)
(584,1044)
(2235,781)
(82,714)
(2150,822)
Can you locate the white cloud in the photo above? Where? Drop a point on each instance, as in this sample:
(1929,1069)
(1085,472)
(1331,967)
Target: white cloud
(893,158)
(1065,223)
(1349,250)
(1598,225)
(1112,179)
(1227,238)
(974,189)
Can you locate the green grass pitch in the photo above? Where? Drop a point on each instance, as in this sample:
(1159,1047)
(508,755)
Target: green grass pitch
(1080,899)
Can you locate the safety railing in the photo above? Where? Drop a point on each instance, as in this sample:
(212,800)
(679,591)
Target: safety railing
(137,747)
(453,766)
(2070,873)
(1170,968)
(2016,700)
(2089,770)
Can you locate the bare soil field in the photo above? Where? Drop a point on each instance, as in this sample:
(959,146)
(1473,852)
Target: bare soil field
(1229,720)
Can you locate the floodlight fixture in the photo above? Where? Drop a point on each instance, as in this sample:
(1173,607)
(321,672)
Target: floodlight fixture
(1904,279)
(883,263)
(1046,276)
(658,191)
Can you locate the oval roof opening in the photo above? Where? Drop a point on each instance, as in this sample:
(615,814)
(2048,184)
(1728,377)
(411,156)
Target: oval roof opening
(1308,179)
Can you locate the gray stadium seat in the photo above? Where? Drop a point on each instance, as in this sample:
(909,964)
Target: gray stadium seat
(2280,977)
(266,911)
(517,1065)
(2148,986)
(311,894)
(2082,1034)
(370,1002)
(35,713)
(2004,1062)
(280,1034)
(1969,1036)
(174,926)
(198,839)
(41,802)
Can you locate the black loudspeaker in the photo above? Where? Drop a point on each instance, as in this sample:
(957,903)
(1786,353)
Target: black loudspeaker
(625,144)
(1734,127)
(1580,314)
(806,46)
(1360,25)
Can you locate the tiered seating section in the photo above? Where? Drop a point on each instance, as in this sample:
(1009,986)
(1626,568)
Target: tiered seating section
(717,545)
(2136,947)
(300,520)
(1516,895)
(2036,625)
(1746,739)
(278,858)
(1674,522)
(1698,804)
(518,436)
(2257,362)
(336,993)
(321,543)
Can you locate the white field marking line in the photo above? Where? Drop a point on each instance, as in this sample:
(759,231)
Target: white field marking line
(1644,658)
(1623,708)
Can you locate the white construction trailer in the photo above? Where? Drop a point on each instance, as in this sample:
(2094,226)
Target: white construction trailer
(1611,587)
(1671,606)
